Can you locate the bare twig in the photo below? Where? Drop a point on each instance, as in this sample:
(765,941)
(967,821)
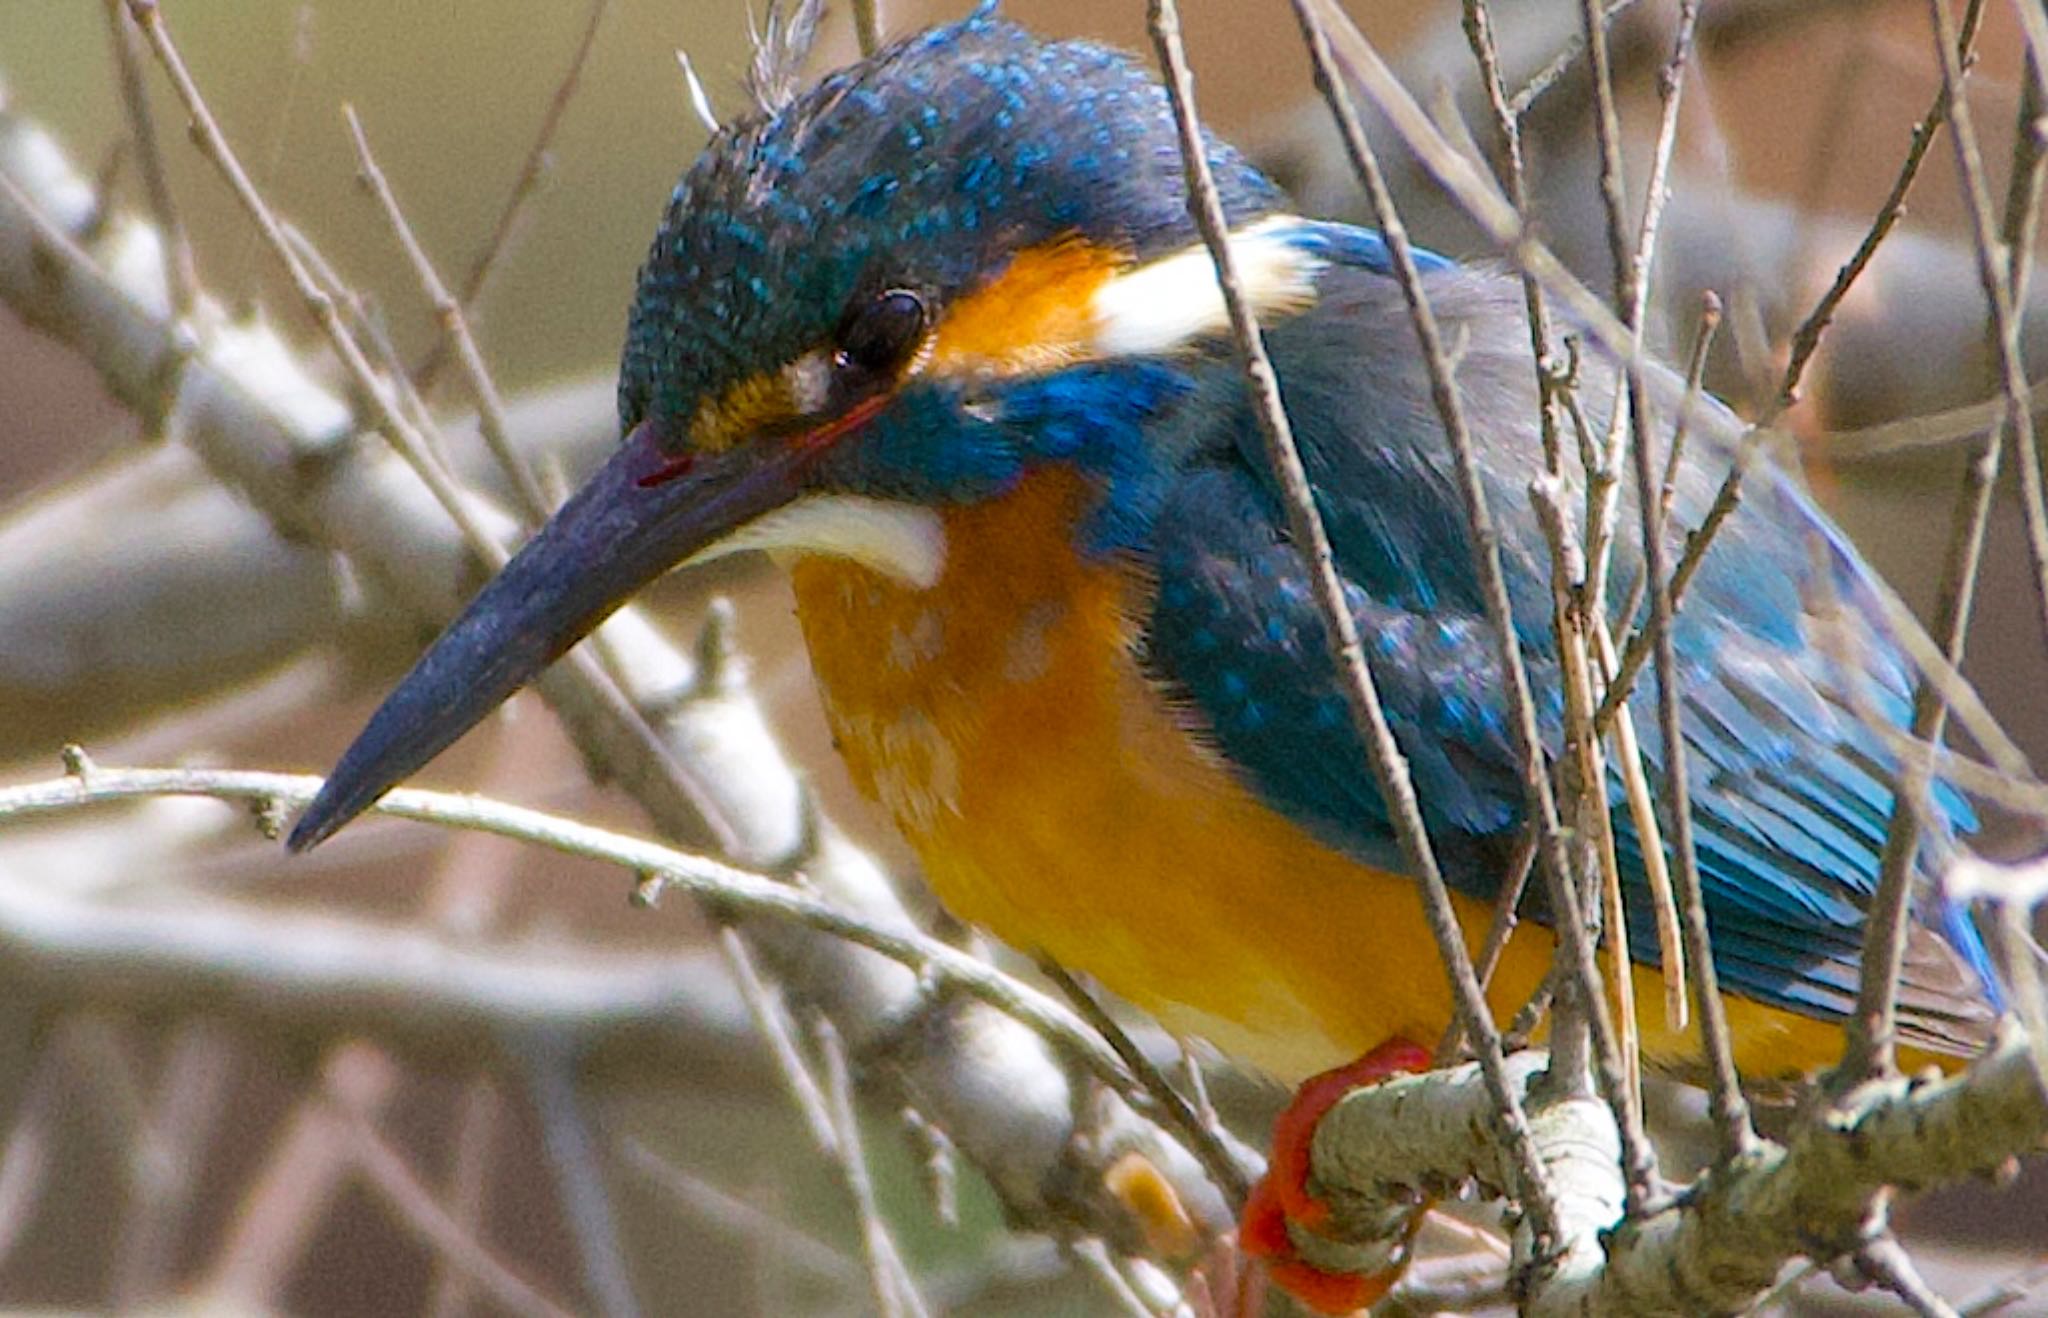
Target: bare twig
(2008,1291)
(1506,903)
(490,407)
(1869,1049)
(572,1157)
(478,1121)
(1695,382)
(770,1016)
(1885,1261)
(1097,1261)
(307,1165)
(1730,1109)
(531,171)
(867,25)
(1390,768)
(661,868)
(738,1218)
(180,274)
(1547,76)
(1806,339)
(2001,280)
(1657,192)
(895,1291)
(423,1214)
(1210,1142)
(184,1112)
(404,436)
(1572,614)
(1567,908)
(25,1162)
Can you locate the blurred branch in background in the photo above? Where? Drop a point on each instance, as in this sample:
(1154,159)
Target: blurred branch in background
(276,557)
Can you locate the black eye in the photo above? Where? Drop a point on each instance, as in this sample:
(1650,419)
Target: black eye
(881,335)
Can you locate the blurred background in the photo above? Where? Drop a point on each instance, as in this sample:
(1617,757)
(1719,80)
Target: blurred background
(171,1143)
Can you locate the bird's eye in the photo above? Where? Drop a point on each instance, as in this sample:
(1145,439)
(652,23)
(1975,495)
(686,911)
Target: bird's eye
(881,335)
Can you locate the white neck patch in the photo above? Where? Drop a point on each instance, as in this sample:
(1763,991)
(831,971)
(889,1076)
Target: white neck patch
(900,540)
(1168,303)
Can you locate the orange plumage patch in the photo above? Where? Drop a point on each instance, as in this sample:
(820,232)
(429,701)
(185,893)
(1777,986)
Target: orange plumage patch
(1034,316)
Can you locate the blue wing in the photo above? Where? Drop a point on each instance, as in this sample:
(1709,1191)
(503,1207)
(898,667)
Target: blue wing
(1790,783)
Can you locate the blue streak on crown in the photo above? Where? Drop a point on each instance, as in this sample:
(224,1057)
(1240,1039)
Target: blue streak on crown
(925,166)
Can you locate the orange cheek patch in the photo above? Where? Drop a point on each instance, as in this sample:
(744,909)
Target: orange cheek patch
(1035,316)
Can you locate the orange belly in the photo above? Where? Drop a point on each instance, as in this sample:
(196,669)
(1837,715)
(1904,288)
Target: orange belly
(1055,799)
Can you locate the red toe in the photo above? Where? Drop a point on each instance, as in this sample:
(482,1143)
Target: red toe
(1282,1196)
(1295,1129)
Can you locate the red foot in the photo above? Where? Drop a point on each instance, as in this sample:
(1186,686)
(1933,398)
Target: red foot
(1282,1195)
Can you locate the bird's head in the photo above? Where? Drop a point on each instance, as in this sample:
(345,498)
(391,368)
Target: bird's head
(934,270)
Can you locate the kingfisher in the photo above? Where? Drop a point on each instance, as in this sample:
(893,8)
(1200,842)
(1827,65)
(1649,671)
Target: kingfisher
(939,334)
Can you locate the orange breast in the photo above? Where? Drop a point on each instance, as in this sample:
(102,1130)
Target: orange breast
(1055,799)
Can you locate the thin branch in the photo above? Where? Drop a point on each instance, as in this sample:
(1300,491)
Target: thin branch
(478,1118)
(31,1136)
(1505,919)
(423,1214)
(1730,1109)
(306,1165)
(180,275)
(1806,339)
(413,444)
(867,25)
(739,1219)
(1555,392)
(722,886)
(490,407)
(1593,816)
(770,1016)
(183,1114)
(1210,1142)
(404,436)
(1567,908)
(1996,272)
(523,189)
(2005,1293)
(1390,768)
(1657,191)
(1096,1260)
(1868,1052)
(572,1155)
(1885,1261)
(1559,64)
(1688,407)
(894,1289)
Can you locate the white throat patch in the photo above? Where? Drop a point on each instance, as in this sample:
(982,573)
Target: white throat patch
(901,540)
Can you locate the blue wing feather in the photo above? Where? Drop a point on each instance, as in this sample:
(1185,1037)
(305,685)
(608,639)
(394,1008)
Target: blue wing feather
(1792,789)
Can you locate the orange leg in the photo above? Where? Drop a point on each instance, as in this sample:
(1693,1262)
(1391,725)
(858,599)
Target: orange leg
(1282,1195)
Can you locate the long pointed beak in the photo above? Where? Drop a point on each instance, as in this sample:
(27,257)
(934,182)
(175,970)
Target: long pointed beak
(642,513)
